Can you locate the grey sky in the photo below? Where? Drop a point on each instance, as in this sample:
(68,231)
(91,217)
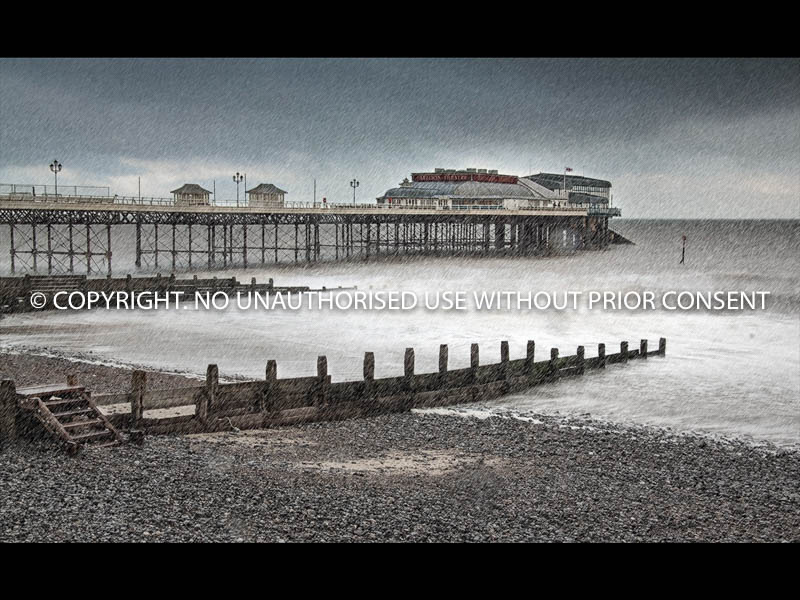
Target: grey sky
(677,138)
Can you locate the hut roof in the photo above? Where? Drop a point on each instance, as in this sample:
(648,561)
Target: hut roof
(266,188)
(555,181)
(190,188)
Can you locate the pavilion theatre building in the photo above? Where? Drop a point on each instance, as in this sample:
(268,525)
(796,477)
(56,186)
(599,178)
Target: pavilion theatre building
(485,189)
(482,190)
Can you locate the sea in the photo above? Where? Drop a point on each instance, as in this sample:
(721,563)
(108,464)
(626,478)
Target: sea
(729,373)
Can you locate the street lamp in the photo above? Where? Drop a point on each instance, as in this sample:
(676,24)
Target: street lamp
(238,179)
(55,167)
(354,184)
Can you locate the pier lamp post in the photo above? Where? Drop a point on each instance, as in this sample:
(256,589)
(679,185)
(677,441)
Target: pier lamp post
(238,179)
(354,184)
(55,167)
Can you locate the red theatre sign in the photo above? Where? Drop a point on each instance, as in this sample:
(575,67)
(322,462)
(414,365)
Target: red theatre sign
(487,177)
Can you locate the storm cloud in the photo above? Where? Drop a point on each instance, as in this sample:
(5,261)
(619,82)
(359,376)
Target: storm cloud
(678,138)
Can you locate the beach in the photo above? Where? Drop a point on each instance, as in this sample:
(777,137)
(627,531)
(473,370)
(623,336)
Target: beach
(435,476)
(699,445)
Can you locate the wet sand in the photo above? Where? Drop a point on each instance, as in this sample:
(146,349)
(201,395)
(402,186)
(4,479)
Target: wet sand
(34,368)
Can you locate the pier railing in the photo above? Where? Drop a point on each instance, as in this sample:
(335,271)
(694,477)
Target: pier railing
(86,199)
(34,190)
(292,206)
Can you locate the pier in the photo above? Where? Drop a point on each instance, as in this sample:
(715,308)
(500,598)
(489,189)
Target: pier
(76,234)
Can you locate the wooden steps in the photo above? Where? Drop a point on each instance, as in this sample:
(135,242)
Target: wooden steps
(75,424)
(70,415)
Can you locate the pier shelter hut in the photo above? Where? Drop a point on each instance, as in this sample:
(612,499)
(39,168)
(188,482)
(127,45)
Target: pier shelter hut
(191,194)
(266,195)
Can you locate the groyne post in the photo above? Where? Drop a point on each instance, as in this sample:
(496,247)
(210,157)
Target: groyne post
(322,381)
(580,360)
(504,362)
(408,375)
(369,373)
(408,368)
(662,346)
(623,350)
(369,366)
(443,355)
(530,353)
(206,400)
(138,387)
(553,363)
(601,356)
(474,360)
(643,348)
(269,401)
(8,411)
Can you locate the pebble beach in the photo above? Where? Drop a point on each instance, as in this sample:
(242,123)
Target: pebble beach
(420,476)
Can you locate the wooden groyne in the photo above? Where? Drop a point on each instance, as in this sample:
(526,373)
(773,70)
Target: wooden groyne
(15,292)
(272,401)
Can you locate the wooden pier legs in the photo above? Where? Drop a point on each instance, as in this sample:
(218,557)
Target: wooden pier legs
(12,249)
(55,246)
(500,236)
(138,245)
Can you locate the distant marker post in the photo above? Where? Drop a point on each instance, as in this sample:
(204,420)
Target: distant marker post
(683,250)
